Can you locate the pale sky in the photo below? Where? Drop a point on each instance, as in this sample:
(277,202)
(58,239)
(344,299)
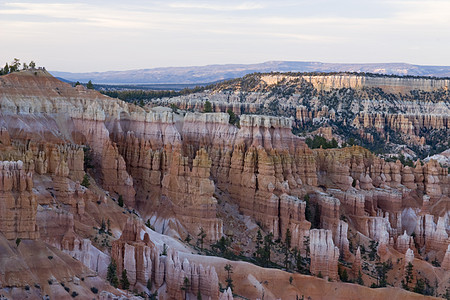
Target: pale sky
(106,35)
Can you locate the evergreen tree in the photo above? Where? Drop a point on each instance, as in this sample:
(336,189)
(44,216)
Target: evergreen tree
(228,280)
(120,201)
(102,226)
(420,286)
(306,245)
(233,118)
(359,279)
(149,285)
(199,295)
(222,246)
(381,269)
(343,275)
(447,294)
(111,274)
(207,107)
(201,237)
(109,227)
(408,276)
(258,246)
(373,250)
(188,238)
(6,69)
(15,65)
(124,280)
(154,296)
(85,181)
(185,286)
(32,65)
(298,259)
(287,247)
(90,85)
(288,238)
(266,252)
(334,143)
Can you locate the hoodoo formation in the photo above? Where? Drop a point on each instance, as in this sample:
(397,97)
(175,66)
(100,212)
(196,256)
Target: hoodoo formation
(101,198)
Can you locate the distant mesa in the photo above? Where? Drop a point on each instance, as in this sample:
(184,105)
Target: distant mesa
(211,73)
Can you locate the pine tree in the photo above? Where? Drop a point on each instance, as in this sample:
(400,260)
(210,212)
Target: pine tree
(120,201)
(343,275)
(201,237)
(228,280)
(287,247)
(164,252)
(306,245)
(288,238)
(124,280)
(185,287)
(258,247)
(111,274)
(102,227)
(420,286)
(6,69)
(268,243)
(149,285)
(109,227)
(90,85)
(207,107)
(15,65)
(233,118)
(188,238)
(382,269)
(299,262)
(408,276)
(359,279)
(85,181)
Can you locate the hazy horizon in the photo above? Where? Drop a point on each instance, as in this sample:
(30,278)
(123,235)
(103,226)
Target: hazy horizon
(91,36)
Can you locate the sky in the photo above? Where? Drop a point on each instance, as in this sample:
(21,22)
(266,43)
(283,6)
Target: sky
(84,36)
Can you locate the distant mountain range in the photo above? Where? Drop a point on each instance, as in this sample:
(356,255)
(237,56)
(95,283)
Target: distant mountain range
(211,73)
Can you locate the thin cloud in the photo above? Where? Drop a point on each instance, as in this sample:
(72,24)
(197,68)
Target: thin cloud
(176,32)
(217,7)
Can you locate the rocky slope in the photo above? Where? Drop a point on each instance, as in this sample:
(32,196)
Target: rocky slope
(383,113)
(195,177)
